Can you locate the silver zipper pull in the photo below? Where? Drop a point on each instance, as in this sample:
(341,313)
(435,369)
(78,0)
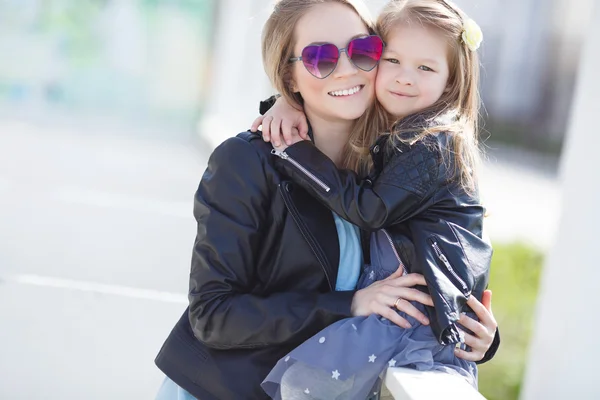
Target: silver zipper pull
(285,156)
(447,264)
(280,154)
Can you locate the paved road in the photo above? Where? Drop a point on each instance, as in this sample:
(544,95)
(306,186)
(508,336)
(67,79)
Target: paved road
(96,233)
(95,241)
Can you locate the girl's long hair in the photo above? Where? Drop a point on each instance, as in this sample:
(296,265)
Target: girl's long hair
(457,110)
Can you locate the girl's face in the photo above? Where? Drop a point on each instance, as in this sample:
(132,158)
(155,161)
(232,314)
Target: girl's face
(413,72)
(346,93)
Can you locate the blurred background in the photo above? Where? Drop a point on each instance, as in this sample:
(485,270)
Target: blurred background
(108,111)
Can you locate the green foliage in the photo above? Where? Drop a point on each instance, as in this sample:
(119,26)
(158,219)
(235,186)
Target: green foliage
(514,282)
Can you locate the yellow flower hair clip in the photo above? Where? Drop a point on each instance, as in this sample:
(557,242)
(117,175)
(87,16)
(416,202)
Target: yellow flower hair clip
(472,35)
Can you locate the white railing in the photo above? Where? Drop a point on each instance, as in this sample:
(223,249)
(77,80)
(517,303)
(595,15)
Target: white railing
(409,384)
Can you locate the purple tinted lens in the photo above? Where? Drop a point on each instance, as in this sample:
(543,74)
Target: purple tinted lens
(320,60)
(365,52)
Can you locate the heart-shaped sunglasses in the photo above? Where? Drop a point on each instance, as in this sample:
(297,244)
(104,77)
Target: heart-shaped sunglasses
(322,59)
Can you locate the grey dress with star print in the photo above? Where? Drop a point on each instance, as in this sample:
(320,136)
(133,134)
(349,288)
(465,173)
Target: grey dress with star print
(346,359)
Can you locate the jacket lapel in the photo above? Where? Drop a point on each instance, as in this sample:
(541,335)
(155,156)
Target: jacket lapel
(319,221)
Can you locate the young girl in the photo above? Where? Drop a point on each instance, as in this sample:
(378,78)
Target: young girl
(422,189)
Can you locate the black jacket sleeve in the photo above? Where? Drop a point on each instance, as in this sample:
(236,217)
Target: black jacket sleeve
(492,350)
(403,188)
(231,207)
(266,105)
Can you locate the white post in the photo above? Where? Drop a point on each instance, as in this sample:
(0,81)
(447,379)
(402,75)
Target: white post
(237,78)
(563,360)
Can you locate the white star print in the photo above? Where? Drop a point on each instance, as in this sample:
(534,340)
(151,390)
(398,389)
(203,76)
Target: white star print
(372,275)
(335,374)
(354,326)
(374,393)
(392,363)
(287,359)
(372,358)
(322,340)
(306,391)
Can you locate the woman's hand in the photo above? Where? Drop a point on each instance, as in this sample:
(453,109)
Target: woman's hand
(396,291)
(483,330)
(282,121)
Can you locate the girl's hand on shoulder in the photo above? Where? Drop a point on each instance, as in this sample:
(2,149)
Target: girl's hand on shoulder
(283,124)
(395,292)
(483,330)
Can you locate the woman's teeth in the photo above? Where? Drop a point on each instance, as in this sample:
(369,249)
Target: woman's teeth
(346,92)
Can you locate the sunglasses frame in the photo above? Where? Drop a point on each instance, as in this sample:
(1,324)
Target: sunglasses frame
(340,51)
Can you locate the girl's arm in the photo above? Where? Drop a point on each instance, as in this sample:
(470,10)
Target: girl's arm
(281,122)
(404,187)
(394,196)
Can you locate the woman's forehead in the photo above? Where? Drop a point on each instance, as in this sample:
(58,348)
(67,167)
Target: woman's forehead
(329,22)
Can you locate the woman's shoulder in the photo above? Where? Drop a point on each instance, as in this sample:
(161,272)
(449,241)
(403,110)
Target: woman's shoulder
(241,161)
(244,144)
(244,155)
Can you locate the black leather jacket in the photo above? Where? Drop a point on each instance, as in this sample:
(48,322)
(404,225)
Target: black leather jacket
(263,274)
(435,225)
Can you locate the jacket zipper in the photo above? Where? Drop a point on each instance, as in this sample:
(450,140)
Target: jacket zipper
(305,233)
(389,238)
(444,259)
(285,156)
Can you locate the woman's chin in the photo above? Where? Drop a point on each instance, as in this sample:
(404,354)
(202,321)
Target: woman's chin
(351,113)
(348,111)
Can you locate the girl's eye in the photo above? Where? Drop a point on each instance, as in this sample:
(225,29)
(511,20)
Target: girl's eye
(425,68)
(392,60)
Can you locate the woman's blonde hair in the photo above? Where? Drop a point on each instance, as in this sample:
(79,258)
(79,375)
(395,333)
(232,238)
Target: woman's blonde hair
(457,110)
(278,44)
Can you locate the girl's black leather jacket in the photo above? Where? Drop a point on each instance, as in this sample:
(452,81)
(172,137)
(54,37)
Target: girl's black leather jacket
(436,227)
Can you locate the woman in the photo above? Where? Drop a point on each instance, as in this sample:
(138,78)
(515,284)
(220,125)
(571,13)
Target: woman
(268,258)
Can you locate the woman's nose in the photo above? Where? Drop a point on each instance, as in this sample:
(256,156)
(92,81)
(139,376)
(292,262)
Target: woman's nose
(344,67)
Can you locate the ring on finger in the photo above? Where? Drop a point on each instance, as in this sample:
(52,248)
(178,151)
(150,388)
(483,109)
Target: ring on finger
(396,302)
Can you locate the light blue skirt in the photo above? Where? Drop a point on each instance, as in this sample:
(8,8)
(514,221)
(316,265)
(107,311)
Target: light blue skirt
(170,391)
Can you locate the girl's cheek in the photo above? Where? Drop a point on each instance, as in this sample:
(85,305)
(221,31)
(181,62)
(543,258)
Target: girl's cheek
(378,74)
(379,82)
